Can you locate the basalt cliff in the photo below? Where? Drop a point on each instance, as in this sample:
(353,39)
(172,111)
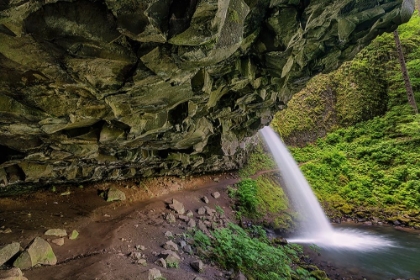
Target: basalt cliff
(116,89)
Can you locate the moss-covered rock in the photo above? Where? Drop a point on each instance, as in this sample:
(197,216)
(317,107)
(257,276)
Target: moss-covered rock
(94,90)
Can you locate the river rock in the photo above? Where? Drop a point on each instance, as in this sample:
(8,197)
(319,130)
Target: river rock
(8,251)
(87,104)
(56,232)
(38,252)
(115,194)
(12,274)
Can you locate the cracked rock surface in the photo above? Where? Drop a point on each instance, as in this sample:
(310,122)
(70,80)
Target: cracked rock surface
(116,89)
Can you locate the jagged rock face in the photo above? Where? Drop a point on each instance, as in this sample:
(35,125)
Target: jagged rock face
(114,89)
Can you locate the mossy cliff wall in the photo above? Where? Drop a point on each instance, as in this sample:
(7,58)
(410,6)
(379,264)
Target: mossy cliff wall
(113,89)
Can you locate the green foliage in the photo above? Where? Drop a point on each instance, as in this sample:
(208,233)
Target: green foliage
(219,210)
(232,247)
(201,240)
(375,163)
(247,197)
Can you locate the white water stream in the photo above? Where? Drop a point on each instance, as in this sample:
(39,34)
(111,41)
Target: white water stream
(315,227)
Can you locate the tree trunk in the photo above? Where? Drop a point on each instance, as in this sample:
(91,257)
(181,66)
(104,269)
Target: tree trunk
(408,87)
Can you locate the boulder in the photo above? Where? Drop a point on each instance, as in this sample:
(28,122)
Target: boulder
(115,194)
(8,251)
(38,252)
(56,232)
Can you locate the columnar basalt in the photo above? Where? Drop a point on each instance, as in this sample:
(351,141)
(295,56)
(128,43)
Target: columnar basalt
(114,89)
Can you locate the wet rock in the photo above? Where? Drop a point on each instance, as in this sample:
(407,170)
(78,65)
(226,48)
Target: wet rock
(8,251)
(154,274)
(280,241)
(58,241)
(38,252)
(56,232)
(12,274)
(115,194)
(216,195)
(205,199)
(74,234)
(197,265)
(177,206)
(319,275)
(170,245)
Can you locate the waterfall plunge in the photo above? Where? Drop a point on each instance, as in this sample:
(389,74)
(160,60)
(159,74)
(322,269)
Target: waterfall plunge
(315,228)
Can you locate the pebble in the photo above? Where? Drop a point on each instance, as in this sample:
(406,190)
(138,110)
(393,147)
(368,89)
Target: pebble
(58,241)
(216,195)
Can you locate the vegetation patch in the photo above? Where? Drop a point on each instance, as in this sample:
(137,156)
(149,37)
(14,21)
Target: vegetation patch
(256,257)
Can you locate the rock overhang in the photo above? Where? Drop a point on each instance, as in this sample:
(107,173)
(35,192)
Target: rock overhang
(116,89)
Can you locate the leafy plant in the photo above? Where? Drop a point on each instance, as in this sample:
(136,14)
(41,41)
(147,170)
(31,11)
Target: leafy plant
(233,247)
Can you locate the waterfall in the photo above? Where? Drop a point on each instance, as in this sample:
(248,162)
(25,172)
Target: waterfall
(314,226)
(314,220)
